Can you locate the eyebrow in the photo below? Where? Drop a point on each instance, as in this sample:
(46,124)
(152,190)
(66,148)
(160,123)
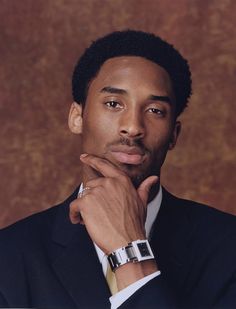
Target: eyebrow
(152,97)
(160,98)
(114,90)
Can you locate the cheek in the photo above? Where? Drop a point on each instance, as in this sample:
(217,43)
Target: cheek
(99,125)
(97,131)
(158,139)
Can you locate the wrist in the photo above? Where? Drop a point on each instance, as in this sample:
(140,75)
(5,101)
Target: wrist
(136,251)
(132,272)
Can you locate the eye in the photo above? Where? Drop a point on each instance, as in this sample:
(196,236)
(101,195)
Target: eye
(156,111)
(113,104)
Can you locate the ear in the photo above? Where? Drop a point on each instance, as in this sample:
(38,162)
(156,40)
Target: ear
(175,135)
(75,120)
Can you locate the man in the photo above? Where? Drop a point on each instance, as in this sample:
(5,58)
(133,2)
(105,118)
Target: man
(129,89)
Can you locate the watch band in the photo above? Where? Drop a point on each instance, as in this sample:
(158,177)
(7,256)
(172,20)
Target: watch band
(136,251)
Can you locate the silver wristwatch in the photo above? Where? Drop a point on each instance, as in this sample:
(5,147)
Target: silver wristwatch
(136,251)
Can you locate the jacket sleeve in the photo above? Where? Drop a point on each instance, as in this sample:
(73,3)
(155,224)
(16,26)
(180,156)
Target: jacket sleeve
(154,294)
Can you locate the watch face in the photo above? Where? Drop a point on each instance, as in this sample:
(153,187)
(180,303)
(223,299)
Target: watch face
(143,249)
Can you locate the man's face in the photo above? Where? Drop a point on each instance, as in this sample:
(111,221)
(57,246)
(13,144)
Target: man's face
(129,117)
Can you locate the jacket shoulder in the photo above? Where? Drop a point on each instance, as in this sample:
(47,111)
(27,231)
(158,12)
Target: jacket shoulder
(196,211)
(205,224)
(39,225)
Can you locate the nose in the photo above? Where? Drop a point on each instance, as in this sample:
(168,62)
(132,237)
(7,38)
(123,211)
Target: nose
(131,124)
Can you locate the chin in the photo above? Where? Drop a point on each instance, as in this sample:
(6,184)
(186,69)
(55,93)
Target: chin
(134,173)
(136,181)
(137,173)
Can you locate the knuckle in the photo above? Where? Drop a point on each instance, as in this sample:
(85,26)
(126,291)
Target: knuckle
(76,205)
(85,198)
(124,178)
(109,182)
(96,189)
(73,204)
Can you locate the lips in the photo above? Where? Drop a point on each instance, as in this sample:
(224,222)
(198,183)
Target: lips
(128,155)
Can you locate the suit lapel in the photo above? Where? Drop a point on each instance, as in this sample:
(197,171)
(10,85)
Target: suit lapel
(170,236)
(76,263)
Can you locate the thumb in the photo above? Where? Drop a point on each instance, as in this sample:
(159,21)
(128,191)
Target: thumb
(144,188)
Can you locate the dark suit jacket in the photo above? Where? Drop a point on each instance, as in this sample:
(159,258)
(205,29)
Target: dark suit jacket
(46,262)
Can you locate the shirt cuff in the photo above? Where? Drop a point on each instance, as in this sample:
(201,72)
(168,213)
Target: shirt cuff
(120,297)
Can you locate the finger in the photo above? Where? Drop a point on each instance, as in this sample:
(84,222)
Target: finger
(144,188)
(75,211)
(96,182)
(103,166)
(84,191)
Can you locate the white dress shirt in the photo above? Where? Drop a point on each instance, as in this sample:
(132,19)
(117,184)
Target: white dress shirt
(117,299)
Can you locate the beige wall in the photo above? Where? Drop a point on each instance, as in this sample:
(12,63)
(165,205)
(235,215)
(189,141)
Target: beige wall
(40,42)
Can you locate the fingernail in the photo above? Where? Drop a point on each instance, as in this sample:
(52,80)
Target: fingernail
(83,155)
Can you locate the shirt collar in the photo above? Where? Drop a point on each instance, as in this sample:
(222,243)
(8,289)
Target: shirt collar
(152,210)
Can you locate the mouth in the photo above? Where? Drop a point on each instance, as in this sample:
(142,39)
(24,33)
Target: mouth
(128,155)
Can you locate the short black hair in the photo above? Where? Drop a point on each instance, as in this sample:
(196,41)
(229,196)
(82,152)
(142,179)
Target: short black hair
(133,43)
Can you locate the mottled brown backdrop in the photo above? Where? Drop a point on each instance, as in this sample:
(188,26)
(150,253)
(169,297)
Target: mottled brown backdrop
(39,44)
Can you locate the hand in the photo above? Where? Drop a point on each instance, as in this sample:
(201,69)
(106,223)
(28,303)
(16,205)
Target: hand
(112,210)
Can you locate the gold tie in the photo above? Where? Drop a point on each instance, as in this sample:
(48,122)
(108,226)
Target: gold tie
(111,280)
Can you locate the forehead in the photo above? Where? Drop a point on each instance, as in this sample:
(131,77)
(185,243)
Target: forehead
(132,71)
